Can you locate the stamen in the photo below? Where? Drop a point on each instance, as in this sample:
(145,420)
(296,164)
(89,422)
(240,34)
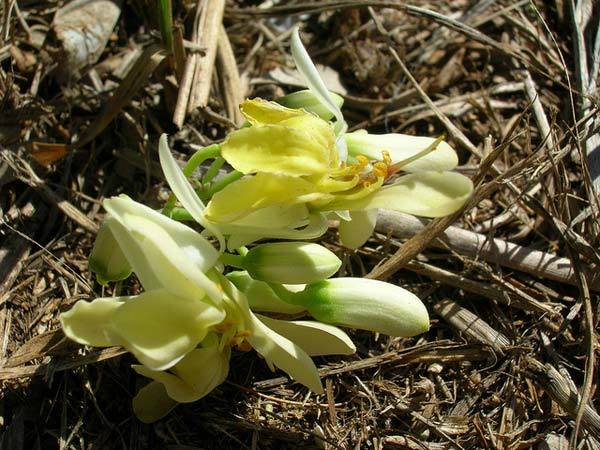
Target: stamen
(380,169)
(386,157)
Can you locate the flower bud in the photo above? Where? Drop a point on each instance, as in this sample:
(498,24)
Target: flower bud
(260,295)
(306,100)
(107,260)
(291,262)
(365,304)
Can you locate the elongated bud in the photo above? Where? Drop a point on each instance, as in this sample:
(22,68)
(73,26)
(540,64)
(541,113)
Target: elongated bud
(260,295)
(365,304)
(107,260)
(308,101)
(291,262)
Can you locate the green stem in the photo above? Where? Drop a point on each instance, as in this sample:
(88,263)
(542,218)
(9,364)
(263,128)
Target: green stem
(221,183)
(213,170)
(282,292)
(211,151)
(180,215)
(165,22)
(236,261)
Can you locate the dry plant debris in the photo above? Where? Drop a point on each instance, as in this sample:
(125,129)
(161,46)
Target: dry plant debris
(511,281)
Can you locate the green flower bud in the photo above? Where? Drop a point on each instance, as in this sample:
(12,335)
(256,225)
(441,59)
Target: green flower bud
(291,262)
(306,100)
(365,304)
(260,295)
(107,260)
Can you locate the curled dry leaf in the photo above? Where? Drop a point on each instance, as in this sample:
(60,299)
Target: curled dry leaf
(81,29)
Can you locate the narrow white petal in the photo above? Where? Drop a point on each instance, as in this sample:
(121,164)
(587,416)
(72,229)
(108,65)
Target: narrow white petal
(427,194)
(183,190)
(402,147)
(315,338)
(284,354)
(314,82)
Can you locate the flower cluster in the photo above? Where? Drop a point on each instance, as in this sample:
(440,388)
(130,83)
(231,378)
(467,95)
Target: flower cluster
(295,168)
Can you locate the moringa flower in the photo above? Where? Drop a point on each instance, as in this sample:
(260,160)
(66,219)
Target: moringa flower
(185,302)
(296,161)
(180,303)
(306,176)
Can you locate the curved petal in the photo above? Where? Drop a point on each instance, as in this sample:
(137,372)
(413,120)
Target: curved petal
(299,146)
(169,257)
(174,386)
(195,376)
(182,188)
(152,403)
(199,251)
(427,194)
(356,231)
(262,190)
(277,350)
(204,368)
(314,82)
(89,322)
(263,112)
(315,338)
(402,147)
(284,354)
(160,328)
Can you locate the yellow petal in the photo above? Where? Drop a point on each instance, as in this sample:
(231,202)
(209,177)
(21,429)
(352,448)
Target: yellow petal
(315,338)
(193,377)
(262,190)
(160,329)
(427,194)
(277,350)
(152,403)
(262,112)
(298,146)
(89,322)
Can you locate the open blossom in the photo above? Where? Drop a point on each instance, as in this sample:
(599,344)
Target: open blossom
(301,169)
(292,163)
(171,327)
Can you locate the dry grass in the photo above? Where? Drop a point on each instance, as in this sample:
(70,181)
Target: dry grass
(509,360)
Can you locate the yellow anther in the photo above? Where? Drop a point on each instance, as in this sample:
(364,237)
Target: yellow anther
(362,161)
(386,157)
(380,169)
